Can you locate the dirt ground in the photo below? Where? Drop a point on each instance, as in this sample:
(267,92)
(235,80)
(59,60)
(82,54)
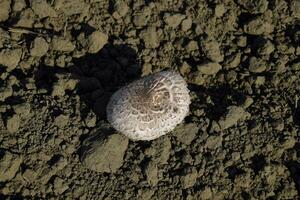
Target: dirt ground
(60,61)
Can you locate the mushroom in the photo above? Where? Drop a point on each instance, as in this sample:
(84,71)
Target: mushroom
(149,107)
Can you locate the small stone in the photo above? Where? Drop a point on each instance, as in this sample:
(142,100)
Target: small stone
(121,8)
(206,194)
(9,165)
(256,65)
(211,49)
(13,124)
(209,68)
(257,26)
(42,8)
(185,69)
(220,10)
(4,38)
(186,24)
(192,46)
(29,175)
(233,61)
(62,44)
(39,47)
(10,58)
(19,5)
(254,7)
(248,101)
(185,133)
(278,125)
(5,92)
(266,48)
(151,172)
(295,8)
(160,151)
(61,120)
(65,82)
(241,41)
(288,143)
(150,37)
(260,80)
(71,7)
(189,179)
(105,154)
(232,116)
(60,185)
(196,78)
(5,10)
(91,120)
(296,66)
(147,69)
(141,17)
(173,20)
(214,142)
(22,109)
(26,19)
(96,41)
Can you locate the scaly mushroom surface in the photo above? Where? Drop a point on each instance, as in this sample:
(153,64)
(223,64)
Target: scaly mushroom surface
(149,107)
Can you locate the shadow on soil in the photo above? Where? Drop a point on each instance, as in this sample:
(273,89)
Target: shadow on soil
(101,74)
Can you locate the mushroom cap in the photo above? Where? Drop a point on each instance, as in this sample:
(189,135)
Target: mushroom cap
(149,107)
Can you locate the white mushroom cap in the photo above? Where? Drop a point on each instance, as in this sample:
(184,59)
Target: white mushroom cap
(149,107)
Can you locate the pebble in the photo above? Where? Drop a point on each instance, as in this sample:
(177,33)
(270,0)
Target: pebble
(257,65)
(211,49)
(232,116)
(71,7)
(257,26)
(96,41)
(10,58)
(173,20)
(189,179)
(185,69)
(254,7)
(151,171)
(248,102)
(266,47)
(5,92)
(186,24)
(233,61)
(60,186)
(26,18)
(196,78)
(62,44)
(105,154)
(19,5)
(220,10)
(61,120)
(42,9)
(120,9)
(13,124)
(64,82)
(9,165)
(5,10)
(160,151)
(150,37)
(141,17)
(209,68)
(192,46)
(214,142)
(22,109)
(39,47)
(186,133)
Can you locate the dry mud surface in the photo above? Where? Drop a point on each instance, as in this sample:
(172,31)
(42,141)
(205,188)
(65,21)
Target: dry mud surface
(60,61)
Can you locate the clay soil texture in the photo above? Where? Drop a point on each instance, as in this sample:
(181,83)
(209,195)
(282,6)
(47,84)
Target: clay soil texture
(61,60)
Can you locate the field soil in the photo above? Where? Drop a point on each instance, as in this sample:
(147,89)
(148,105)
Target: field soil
(61,60)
